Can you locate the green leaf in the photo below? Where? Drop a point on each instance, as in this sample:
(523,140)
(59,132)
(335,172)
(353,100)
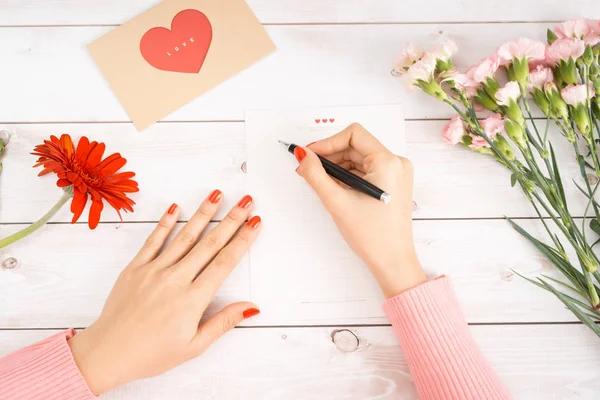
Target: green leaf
(561,190)
(572,273)
(513,179)
(587,321)
(595,226)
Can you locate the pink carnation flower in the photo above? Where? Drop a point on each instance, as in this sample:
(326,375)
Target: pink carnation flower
(493,125)
(510,91)
(478,141)
(421,70)
(443,51)
(576,94)
(486,68)
(454,131)
(521,48)
(578,28)
(408,57)
(539,76)
(563,49)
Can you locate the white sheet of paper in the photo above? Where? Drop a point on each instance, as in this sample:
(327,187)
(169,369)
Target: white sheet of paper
(300,266)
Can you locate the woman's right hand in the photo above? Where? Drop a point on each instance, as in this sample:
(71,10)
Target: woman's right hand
(380,234)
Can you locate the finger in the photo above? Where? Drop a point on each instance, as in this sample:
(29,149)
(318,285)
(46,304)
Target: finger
(314,174)
(157,238)
(213,276)
(348,155)
(351,167)
(219,324)
(188,236)
(354,136)
(215,240)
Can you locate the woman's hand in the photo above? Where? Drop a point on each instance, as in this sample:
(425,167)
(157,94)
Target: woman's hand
(381,234)
(151,320)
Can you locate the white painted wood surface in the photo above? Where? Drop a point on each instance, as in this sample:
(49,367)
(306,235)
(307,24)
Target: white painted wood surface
(330,52)
(303,363)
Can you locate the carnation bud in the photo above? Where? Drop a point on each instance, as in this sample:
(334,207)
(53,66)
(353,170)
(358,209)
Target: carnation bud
(551,36)
(556,101)
(443,66)
(568,71)
(594,70)
(485,100)
(434,89)
(514,112)
(516,132)
(588,56)
(582,119)
(541,101)
(504,147)
(520,69)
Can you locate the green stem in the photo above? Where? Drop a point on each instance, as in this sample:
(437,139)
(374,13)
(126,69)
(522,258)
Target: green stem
(37,224)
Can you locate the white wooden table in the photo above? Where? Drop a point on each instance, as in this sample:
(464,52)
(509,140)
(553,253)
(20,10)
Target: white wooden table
(330,52)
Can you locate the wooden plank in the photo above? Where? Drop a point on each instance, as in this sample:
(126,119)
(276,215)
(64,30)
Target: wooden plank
(89,12)
(328,64)
(66,272)
(182,162)
(535,362)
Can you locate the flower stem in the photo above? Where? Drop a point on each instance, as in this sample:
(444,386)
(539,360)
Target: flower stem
(37,224)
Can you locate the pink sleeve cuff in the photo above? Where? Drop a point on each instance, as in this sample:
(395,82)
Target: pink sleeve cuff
(45,370)
(442,356)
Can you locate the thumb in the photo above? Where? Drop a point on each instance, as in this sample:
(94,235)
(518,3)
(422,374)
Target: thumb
(314,174)
(219,324)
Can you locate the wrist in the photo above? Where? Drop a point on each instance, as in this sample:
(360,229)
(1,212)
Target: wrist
(400,276)
(96,376)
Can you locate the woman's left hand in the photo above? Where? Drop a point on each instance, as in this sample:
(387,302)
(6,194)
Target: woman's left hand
(151,320)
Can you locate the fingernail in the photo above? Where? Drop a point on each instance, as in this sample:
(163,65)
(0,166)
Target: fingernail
(251,312)
(172,209)
(254,222)
(245,201)
(299,153)
(311,143)
(215,196)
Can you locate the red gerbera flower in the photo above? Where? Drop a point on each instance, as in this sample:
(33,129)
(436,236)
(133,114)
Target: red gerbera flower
(84,170)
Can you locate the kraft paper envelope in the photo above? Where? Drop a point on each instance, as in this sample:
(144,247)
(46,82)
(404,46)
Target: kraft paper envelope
(174,52)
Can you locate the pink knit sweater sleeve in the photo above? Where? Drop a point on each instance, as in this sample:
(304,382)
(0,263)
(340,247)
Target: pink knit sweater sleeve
(45,370)
(442,356)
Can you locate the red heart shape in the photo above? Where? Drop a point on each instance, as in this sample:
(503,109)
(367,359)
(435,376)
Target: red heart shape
(331,119)
(324,120)
(183,48)
(317,120)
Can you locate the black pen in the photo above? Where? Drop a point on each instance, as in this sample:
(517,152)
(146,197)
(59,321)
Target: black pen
(347,177)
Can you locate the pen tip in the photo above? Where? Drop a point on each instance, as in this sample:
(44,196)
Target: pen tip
(284,143)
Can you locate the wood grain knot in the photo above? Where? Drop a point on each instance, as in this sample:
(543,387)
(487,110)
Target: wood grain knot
(345,340)
(592,179)
(243,167)
(10,263)
(415,206)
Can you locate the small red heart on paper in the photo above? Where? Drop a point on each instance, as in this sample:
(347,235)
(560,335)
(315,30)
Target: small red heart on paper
(324,120)
(183,48)
(331,119)
(317,120)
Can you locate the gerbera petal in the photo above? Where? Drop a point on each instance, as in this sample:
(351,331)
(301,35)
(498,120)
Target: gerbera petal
(63,183)
(95,155)
(111,164)
(95,211)
(45,172)
(78,204)
(82,148)
(67,145)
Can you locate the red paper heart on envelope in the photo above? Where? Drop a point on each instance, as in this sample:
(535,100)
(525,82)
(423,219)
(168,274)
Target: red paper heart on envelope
(183,48)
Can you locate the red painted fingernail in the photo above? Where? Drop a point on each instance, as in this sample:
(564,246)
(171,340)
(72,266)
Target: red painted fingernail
(215,196)
(251,312)
(172,209)
(299,153)
(245,201)
(254,222)
(311,143)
